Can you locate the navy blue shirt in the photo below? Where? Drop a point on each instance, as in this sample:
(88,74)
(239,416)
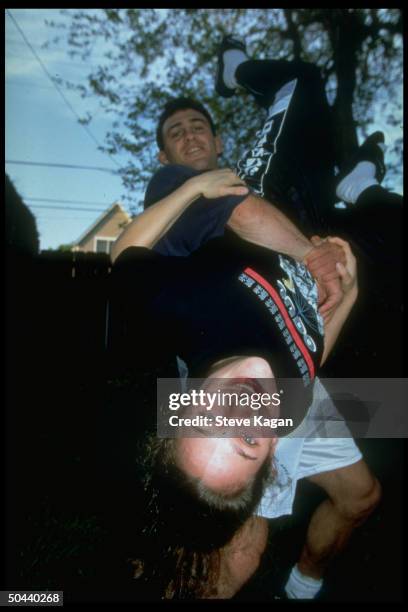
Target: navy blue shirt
(230,297)
(202,220)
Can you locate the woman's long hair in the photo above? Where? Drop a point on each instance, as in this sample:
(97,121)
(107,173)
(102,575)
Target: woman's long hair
(186,524)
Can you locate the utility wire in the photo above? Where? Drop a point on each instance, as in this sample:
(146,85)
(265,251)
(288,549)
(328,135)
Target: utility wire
(63,201)
(76,167)
(69,208)
(67,102)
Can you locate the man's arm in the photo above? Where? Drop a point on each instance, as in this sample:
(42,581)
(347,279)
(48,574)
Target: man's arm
(260,222)
(255,220)
(148,227)
(348,274)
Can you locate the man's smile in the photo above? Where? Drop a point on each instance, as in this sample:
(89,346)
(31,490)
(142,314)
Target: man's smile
(194,150)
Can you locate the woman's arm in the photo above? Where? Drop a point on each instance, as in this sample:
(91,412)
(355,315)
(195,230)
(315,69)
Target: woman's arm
(348,275)
(148,227)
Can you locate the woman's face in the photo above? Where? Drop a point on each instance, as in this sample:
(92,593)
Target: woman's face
(228,463)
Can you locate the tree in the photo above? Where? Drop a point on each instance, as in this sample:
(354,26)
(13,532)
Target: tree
(65,247)
(154,54)
(21,228)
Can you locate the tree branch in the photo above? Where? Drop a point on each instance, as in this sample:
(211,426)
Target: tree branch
(293,34)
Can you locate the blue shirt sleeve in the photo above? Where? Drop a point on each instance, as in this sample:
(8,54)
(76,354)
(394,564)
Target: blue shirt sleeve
(202,220)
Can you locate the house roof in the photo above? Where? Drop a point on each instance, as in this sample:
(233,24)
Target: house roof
(116,207)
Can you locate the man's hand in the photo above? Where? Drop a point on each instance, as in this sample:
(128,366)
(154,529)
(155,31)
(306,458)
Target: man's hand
(347,271)
(219,183)
(322,259)
(322,263)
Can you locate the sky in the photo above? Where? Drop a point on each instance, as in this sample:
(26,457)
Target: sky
(42,127)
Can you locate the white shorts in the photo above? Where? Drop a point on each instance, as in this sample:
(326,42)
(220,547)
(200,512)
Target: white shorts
(306,455)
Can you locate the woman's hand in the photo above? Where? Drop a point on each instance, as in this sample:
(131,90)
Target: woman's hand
(219,183)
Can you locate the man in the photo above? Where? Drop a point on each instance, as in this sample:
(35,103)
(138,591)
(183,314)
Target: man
(191,147)
(182,203)
(214,308)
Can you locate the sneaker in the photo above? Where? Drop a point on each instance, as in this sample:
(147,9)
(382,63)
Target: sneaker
(228,42)
(368,151)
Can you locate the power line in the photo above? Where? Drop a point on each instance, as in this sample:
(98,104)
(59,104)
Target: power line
(69,208)
(67,102)
(79,221)
(71,215)
(70,166)
(63,201)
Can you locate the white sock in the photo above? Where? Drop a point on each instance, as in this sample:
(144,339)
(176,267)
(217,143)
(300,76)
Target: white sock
(361,177)
(232,59)
(300,586)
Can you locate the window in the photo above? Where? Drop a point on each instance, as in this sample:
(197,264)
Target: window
(104,245)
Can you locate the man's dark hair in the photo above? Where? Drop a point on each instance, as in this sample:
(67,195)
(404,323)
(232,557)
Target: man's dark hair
(174,105)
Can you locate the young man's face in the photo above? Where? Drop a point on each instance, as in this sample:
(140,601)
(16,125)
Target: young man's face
(189,141)
(224,464)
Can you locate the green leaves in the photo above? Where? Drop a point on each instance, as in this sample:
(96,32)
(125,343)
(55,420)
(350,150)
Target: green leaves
(153,54)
